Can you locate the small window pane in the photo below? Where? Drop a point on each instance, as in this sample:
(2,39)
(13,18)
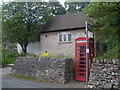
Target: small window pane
(82,51)
(81,70)
(64,37)
(60,38)
(69,37)
(82,55)
(82,58)
(82,62)
(81,74)
(82,47)
(82,66)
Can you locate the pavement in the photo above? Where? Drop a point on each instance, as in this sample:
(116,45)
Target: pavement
(13,82)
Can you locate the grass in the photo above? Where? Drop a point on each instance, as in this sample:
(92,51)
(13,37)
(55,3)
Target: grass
(30,78)
(60,56)
(20,76)
(27,55)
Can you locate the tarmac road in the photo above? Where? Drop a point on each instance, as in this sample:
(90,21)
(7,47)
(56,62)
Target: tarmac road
(12,82)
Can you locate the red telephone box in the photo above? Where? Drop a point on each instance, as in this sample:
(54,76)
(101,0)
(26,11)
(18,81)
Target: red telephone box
(80,57)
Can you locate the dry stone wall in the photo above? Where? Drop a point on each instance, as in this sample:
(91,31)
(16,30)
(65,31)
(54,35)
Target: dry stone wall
(105,74)
(49,69)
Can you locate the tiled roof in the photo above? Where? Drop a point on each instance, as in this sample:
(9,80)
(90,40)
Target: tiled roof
(66,22)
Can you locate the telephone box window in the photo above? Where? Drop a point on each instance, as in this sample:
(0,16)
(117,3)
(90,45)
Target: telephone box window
(82,62)
(82,58)
(82,47)
(82,54)
(82,51)
(81,74)
(81,70)
(82,66)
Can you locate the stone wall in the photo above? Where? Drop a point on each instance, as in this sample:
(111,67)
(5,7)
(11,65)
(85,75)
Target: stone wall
(105,74)
(47,69)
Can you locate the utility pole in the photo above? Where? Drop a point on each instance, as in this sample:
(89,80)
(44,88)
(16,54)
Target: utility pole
(87,52)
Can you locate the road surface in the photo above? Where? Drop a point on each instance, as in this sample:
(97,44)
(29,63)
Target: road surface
(12,82)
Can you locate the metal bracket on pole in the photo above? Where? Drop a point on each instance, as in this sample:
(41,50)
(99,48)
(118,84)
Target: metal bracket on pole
(86,52)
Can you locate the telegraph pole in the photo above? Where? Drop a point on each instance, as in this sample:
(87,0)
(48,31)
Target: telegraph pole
(87,51)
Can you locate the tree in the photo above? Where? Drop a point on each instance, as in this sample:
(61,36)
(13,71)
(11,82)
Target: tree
(22,21)
(107,24)
(56,7)
(73,7)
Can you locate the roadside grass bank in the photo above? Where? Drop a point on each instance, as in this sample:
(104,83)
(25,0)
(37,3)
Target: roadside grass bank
(31,79)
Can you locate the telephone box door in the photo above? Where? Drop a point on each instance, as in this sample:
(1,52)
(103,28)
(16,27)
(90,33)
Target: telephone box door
(80,59)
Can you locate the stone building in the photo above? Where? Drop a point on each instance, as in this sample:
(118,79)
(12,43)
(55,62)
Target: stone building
(58,36)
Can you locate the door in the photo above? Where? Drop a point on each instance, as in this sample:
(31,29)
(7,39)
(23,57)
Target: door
(80,60)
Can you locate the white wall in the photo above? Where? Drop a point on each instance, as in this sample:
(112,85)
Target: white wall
(54,48)
(51,45)
(33,48)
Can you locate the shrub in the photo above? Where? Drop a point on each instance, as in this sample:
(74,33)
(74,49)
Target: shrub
(9,56)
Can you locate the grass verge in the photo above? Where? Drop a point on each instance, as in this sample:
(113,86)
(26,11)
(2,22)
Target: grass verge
(32,79)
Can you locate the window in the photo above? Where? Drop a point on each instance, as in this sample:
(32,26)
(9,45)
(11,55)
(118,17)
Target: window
(69,37)
(82,47)
(65,37)
(60,38)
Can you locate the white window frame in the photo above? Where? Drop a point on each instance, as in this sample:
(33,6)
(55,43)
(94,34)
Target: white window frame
(66,37)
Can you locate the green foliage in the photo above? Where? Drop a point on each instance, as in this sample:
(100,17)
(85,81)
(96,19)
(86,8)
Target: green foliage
(22,21)
(106,26)
(9,57)
(56,8)
(73,7)
(110,54)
